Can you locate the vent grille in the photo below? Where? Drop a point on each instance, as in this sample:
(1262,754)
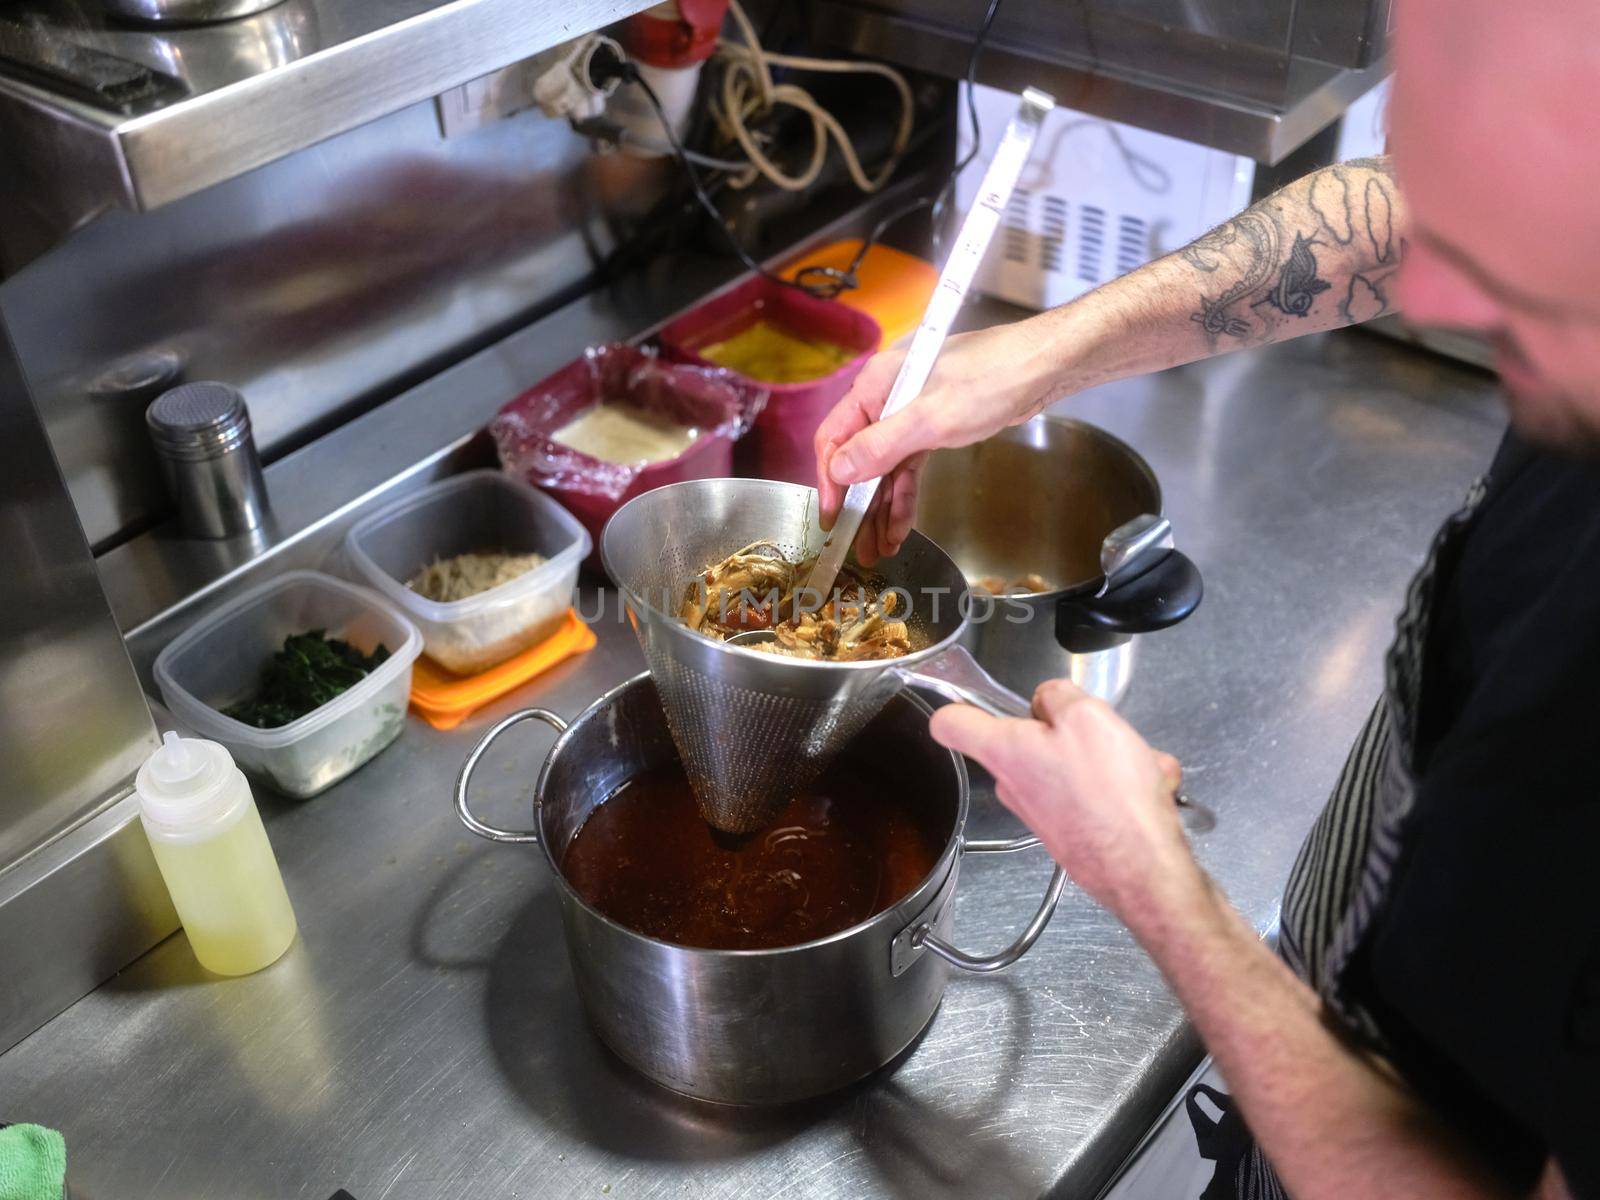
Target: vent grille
(1056,236)
(1017,234)
(1131,244)
(1052,244)
(1091,242)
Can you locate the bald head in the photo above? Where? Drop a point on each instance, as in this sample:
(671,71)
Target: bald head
(1494,146)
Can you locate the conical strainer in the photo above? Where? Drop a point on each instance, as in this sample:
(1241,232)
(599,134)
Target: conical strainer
(755,728)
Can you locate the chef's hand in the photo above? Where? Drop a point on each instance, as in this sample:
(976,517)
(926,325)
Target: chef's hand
(1097,795)
(983,382)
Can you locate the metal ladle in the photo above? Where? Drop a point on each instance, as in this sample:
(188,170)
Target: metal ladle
(999,181)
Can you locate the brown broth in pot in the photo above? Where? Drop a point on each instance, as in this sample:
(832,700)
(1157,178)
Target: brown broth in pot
(840,852)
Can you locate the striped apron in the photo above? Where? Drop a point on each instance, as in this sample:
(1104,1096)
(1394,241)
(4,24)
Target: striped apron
(1342,874)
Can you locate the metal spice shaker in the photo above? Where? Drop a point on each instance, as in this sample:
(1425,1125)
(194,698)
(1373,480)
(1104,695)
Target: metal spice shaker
(202,434)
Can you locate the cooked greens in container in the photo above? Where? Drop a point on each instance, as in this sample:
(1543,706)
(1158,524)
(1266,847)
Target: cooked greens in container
(303,679)
(307,673)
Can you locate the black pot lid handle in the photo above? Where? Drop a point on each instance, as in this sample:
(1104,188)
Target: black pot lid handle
(1129,548)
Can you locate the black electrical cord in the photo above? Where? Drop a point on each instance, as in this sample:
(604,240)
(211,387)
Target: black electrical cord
(830,281)
(972,83)
(601,70)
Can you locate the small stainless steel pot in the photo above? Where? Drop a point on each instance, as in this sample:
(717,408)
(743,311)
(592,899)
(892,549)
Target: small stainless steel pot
(1064,500)
(754,1026)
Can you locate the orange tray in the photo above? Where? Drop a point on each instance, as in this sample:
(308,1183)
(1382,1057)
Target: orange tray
(895,286)
(444,700)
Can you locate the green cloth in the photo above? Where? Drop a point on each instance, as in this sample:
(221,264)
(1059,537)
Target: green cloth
(33,1163)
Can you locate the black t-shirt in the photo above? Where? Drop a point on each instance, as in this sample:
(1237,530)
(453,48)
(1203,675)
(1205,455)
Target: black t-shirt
(1483,966)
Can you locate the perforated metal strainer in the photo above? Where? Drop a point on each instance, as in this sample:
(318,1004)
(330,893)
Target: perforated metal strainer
(754,728)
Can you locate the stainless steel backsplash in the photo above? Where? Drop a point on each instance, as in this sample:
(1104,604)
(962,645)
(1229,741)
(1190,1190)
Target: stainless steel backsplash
(318,285)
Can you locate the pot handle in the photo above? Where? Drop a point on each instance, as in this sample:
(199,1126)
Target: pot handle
(1162,595)
(493,833)
(922,936)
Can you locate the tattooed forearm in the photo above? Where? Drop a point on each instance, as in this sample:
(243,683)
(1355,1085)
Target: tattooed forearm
(1317,254)
(1380,220)
(1257,236)
(1381,163)
(1366,297)
(1298,286)
(1204,253)
(1334,232)
(1330,198)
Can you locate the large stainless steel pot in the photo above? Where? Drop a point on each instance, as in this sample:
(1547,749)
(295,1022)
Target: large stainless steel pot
(754,1026)
(1061,499)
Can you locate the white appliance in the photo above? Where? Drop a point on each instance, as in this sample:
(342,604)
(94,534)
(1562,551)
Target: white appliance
(1096,200)
(1364,129)
(1099,198)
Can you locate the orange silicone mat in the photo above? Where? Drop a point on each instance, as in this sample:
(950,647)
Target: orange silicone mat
(445,700)
(895,286)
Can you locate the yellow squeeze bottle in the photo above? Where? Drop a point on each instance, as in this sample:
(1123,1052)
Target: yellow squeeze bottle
(209,843)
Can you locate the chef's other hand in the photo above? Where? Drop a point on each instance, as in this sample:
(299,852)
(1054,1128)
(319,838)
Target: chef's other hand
(1083,779)
(983,382)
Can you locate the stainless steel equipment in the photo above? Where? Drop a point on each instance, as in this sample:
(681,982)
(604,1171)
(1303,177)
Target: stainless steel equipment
(321,283)
(79,896)
(424,1035)
(186,12)
(72,718)
(1250,78)
(753,728)
(753,1026)
(1060,499)
(99,115)
(318,285)
(202,433)
(977,230)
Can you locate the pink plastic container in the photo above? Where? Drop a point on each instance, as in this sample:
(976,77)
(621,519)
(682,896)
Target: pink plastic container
(779,443)
(709,458)
(718,402)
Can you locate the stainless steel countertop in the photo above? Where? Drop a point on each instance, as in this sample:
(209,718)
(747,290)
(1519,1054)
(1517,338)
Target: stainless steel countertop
(422,1038)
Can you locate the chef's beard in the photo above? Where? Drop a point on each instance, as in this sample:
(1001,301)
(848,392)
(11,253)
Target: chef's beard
(1565,433)
(1543,413)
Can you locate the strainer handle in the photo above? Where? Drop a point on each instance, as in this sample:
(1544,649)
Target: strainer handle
(956,675)
(494,833)
(925,938)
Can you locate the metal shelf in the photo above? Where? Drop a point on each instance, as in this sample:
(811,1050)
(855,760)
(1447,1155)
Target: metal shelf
(233,96)
(1250,99)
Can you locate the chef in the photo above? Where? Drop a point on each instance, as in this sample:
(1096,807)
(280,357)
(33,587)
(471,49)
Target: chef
(1430,1022)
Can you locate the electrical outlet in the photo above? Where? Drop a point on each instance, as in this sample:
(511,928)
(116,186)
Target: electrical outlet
(494,96)
(556,81)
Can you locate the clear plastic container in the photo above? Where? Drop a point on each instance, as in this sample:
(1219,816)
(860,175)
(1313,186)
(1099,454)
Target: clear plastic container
(217,662)
(479,512)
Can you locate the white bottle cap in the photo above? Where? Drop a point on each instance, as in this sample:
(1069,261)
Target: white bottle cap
(188,784)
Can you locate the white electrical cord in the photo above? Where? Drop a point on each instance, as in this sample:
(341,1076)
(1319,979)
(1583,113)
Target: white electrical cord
(660,146)
(748,90)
